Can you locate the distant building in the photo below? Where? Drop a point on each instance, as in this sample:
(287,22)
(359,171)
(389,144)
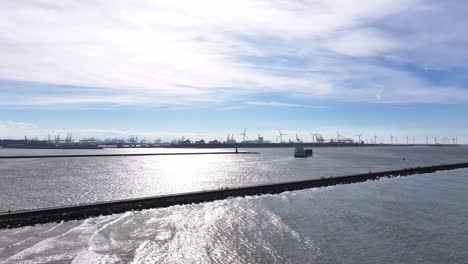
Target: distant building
(230,139)
(214,142)
(200,142)
(185,142)
(259,140)
(343,141)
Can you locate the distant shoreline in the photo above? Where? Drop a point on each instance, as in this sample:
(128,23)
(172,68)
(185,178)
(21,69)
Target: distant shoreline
(239,145)
(291,145)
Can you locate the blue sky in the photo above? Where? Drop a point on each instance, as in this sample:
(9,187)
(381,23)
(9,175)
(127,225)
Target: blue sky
(163,69)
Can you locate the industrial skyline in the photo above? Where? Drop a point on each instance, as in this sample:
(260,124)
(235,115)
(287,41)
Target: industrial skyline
(204,68)
(243,137)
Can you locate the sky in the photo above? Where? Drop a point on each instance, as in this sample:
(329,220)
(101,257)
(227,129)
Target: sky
(206,68)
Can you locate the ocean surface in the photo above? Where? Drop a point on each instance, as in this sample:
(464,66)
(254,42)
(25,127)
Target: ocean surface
(416,219)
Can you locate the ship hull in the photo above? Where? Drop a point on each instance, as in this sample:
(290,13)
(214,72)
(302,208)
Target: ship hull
(301,156)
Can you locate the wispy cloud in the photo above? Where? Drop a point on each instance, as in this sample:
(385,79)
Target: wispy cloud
(282,104)
(55,100)
(217,51)
(362,42)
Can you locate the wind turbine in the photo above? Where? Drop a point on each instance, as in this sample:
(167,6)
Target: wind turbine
(391,139)
(413,140)
(407,142)
(244,136)
(359,136)
(313,136)
(427,140)
(281,136)
(375,138)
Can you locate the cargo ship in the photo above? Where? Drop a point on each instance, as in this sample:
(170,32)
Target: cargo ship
(300,152)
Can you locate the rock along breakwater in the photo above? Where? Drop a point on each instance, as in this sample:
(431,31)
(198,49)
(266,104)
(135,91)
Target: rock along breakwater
(76,212)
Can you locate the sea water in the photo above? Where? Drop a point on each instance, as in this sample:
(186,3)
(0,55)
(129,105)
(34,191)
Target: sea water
(417,219)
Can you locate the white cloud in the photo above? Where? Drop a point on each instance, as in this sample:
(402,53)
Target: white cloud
(173,52)
(275,103)
(362,42)
(57,100)
(14,129)
(378,95)
(142,46)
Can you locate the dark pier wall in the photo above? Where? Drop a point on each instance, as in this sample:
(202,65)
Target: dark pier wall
(47,215)
(123,155)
